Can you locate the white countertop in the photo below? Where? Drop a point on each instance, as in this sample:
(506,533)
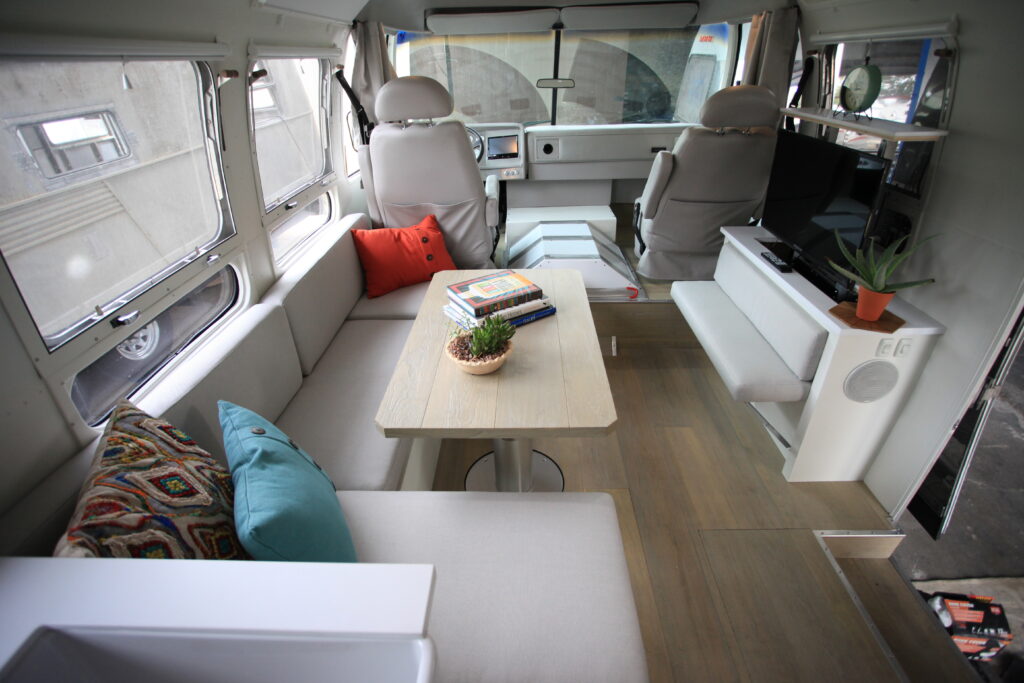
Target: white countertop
(212,595)
(812,299)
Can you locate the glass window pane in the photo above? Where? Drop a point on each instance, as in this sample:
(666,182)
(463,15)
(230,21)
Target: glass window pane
(97,205)
(491,77)
(289,126)
(307,220)
(75,129)
(123,369)
(640,76)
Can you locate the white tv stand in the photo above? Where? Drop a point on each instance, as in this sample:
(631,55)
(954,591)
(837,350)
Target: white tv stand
(827,436)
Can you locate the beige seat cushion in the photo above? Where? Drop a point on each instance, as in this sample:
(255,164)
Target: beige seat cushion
(331,416)
(401,304)
(530,587)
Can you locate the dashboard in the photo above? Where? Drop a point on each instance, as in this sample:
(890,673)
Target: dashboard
(500,149)
(510,151)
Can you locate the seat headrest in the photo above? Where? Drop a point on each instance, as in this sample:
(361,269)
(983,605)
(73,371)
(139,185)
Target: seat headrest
(741,106)
(412,97)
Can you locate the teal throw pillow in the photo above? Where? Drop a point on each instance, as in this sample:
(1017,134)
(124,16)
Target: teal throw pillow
(285,506)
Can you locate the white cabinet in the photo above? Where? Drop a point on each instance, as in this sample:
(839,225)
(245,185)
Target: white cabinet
(859,388)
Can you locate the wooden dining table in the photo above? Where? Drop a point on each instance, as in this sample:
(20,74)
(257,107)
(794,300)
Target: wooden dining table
(553,384)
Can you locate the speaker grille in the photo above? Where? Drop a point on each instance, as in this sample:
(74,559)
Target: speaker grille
(870,381)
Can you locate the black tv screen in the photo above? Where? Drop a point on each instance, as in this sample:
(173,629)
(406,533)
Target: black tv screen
(817,187)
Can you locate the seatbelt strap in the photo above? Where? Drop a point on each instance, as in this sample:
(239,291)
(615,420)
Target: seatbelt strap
(804,77)
(636,228)
(365,127)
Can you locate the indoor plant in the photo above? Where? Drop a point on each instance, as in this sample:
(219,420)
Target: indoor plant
(483,349)
(872,271)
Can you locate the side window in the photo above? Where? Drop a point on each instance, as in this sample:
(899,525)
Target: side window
(127,366)
(110,183)
(288,103)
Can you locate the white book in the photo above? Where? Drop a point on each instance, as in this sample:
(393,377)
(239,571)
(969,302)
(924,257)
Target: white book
(459,315)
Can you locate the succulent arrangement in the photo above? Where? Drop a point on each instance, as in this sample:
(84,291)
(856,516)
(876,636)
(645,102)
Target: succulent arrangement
(873,271)
(490,337)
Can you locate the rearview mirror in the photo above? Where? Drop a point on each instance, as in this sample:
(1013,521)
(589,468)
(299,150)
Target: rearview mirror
(556,83)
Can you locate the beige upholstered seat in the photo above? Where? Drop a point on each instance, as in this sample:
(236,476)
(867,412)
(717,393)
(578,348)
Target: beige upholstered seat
(414,167)
(716,175)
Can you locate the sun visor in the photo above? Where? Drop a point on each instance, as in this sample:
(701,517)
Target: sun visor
(627,17)
(470,23)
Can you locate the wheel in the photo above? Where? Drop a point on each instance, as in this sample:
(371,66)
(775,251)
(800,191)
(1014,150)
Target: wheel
(476,142)
(142,343)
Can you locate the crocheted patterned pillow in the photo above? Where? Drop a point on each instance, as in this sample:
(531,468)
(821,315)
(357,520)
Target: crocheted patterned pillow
(152,492)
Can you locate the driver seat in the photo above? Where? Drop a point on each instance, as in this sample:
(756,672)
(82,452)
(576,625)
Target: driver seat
(414,167)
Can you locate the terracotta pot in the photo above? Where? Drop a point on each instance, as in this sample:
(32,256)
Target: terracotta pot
(478,367)
(871,304)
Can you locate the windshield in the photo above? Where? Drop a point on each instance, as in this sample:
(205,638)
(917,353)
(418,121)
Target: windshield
(637,76)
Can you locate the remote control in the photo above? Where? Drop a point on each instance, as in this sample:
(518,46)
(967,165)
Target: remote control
(779,264)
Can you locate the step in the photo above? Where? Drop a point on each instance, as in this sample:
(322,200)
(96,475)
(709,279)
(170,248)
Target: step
(807,605)
(920,644)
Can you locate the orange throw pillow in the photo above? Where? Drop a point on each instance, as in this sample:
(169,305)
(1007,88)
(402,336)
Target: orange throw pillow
(396,257)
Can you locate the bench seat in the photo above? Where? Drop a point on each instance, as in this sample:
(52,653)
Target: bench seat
(530,586)
(747,363)
(401,304)
(332,415)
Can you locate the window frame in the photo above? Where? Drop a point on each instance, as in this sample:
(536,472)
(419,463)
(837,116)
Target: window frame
(280,212)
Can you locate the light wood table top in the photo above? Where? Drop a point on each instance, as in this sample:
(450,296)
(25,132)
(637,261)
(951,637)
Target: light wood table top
(553,383)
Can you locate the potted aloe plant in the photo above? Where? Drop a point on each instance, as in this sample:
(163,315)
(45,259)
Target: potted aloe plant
(872,273)
(484,349)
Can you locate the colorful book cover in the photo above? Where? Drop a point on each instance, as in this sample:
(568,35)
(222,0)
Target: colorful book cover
(493,292)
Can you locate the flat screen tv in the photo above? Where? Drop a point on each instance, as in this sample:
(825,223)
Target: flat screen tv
(818,187)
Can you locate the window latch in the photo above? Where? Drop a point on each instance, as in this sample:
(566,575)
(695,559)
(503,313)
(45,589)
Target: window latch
(212,258)
(290,205)
(126,319)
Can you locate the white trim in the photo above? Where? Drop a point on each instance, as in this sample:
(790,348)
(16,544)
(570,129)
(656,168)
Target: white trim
(53,46)
(285,52)
(662,15)
(946,29)
(477,23)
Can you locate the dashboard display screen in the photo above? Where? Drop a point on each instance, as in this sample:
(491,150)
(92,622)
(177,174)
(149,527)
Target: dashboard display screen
(504,147)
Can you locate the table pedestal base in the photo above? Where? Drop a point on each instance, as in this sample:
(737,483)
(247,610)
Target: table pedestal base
(513,465)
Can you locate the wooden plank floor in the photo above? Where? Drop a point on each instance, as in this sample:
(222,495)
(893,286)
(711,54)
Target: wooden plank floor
(685,462)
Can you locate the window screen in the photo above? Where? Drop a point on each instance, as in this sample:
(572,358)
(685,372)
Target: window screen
(110,182)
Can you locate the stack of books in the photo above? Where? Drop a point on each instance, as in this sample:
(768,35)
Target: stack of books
(505,294)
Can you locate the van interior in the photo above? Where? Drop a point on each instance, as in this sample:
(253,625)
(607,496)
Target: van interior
(211,206)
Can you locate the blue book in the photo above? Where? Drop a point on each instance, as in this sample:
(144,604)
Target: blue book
(532,316)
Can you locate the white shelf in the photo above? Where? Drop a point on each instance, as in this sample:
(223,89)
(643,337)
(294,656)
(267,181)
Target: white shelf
(887,130)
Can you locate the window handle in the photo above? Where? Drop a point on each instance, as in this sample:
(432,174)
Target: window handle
(126,319)
(212,258)
(290,205)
